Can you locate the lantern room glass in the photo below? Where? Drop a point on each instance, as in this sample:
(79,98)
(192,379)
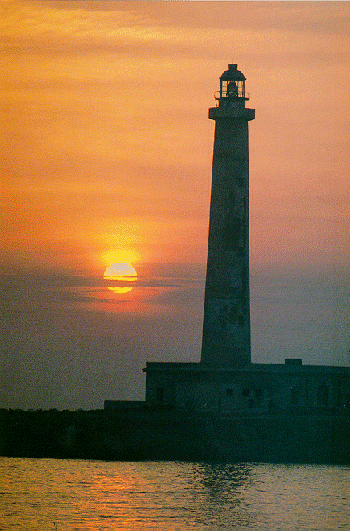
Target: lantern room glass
(232,89)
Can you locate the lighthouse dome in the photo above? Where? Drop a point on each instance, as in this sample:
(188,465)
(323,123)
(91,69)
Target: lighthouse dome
(232,74)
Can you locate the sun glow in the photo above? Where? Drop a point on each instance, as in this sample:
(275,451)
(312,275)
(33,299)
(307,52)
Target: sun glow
(119,256)
(123,273)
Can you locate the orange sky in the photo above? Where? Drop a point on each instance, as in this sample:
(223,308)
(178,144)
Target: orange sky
(107,152)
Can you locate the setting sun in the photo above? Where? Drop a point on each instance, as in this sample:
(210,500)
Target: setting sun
(121,272)
(119,257)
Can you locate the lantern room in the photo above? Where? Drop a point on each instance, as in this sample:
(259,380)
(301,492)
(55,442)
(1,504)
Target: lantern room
(232,84)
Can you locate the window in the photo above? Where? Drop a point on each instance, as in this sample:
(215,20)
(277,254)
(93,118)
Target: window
(229,393)
(160,394)
(294,396)
(241,320)
(322,395)
(258,393)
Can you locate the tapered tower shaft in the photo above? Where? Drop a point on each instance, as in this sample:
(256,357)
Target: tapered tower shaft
(226,329)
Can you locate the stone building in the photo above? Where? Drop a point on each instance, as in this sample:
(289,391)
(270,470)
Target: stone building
(225,381)
(256,388)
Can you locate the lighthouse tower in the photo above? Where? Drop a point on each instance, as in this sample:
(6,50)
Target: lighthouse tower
(225,382)
(226,328)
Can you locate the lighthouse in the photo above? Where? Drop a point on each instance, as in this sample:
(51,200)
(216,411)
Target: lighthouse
(225,381)
(226,327)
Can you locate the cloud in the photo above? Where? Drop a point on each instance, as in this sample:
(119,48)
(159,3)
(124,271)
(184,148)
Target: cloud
(59,355)
(67,346)
(57,291)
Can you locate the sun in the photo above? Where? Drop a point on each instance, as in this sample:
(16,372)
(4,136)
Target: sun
(123,273)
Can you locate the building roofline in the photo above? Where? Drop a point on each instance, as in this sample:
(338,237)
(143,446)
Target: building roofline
(253,367)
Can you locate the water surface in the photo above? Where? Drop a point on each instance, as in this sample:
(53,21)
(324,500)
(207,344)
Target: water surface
(44,494)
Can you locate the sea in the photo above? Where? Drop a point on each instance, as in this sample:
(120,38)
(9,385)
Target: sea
(67,495)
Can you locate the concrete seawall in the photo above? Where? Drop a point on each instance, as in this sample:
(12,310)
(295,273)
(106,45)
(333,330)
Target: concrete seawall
(169,435)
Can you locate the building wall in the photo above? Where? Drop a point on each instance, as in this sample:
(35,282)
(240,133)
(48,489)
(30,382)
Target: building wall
(265,391)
